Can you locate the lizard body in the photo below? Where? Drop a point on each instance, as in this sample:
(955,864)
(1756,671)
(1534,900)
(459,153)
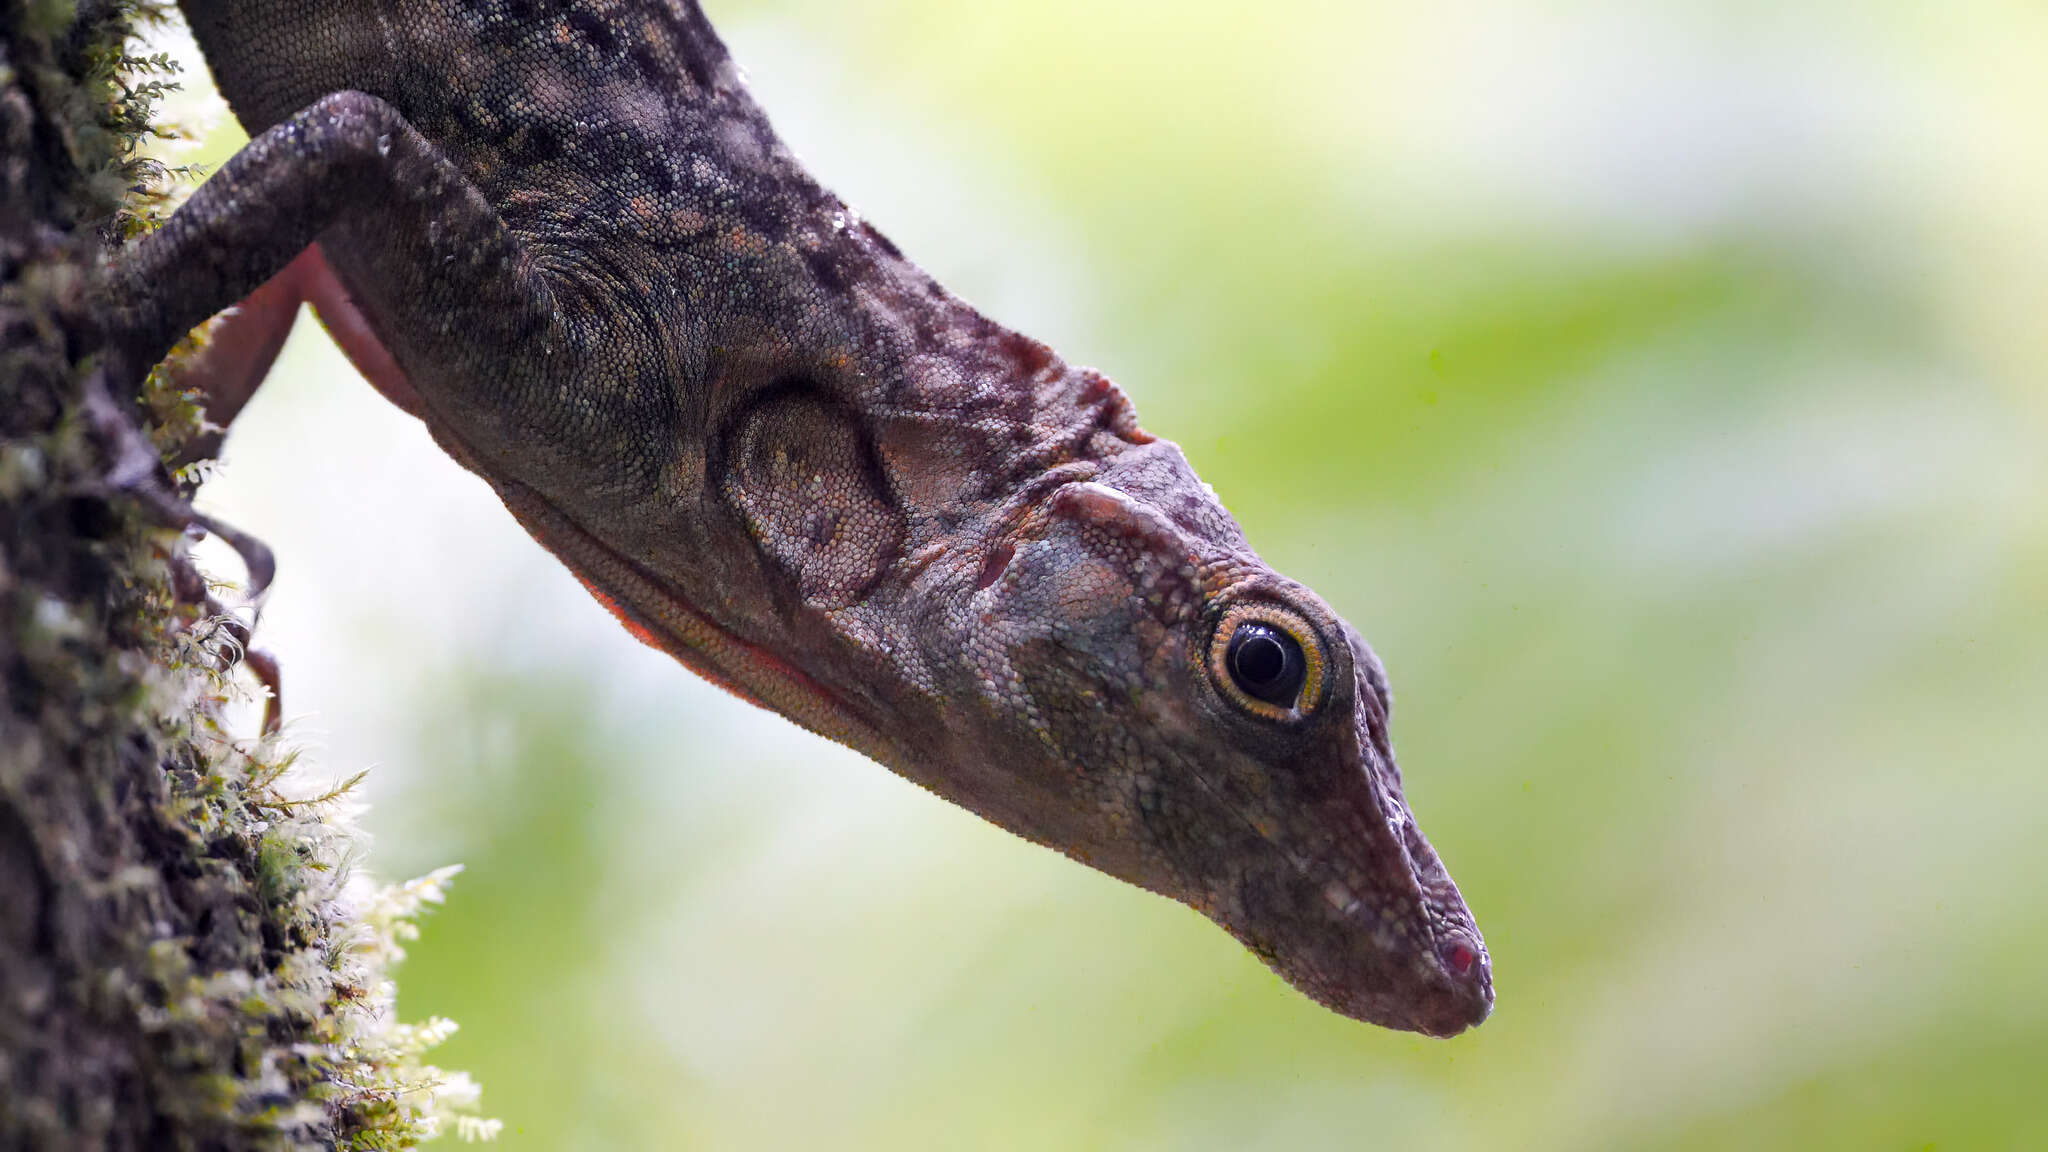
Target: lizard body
(565,236)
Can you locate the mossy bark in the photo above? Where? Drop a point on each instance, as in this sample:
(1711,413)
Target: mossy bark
(174,973)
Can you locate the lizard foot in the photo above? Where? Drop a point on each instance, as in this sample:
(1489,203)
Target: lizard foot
(138,474)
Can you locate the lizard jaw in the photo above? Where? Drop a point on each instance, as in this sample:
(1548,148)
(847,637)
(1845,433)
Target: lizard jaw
(1400,954)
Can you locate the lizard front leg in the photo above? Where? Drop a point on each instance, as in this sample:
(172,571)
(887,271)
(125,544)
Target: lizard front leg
(247,236)
(351,168)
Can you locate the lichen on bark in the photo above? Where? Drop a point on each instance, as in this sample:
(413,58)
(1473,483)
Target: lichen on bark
(184,961)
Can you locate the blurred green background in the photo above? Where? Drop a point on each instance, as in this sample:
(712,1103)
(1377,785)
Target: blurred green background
(1658,387)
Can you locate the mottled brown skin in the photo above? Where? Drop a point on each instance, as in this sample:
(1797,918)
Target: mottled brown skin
(784,454)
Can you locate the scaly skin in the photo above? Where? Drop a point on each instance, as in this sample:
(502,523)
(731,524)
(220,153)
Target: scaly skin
(564,236)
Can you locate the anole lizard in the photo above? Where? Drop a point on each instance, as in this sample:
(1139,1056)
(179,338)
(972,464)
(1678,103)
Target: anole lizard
(562,234)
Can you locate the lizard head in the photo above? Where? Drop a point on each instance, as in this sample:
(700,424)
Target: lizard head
(1166,708)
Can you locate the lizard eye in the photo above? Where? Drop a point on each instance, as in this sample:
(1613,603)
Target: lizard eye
(1266,660)
(1265,663)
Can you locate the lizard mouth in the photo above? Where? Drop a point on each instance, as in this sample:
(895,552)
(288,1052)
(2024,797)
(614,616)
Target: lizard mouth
(1371,927)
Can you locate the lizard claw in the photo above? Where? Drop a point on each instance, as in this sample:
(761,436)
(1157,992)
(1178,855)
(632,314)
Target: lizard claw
(257,558)
(139,474)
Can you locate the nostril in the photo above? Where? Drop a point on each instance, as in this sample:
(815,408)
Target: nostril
(1461,958)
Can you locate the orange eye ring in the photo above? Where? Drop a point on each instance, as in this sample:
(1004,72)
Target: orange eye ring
(1268,660)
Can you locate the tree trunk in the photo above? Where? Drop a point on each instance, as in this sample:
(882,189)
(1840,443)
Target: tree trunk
(179,967)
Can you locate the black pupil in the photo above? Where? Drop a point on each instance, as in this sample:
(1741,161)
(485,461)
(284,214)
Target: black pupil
(1266,663)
